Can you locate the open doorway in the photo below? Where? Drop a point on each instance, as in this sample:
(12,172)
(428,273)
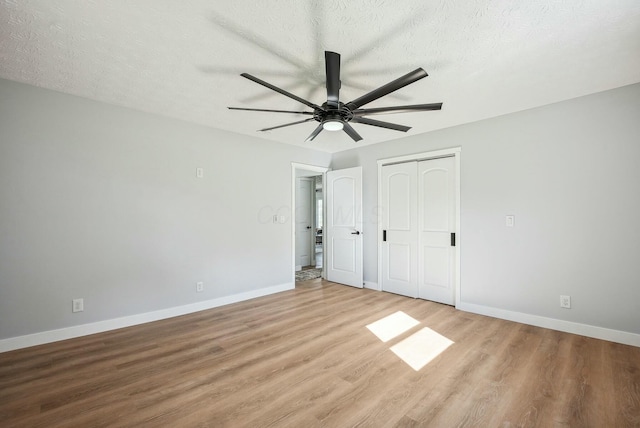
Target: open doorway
(308,221)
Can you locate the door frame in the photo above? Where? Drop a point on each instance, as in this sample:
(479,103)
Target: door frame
(451,152)
(320,170)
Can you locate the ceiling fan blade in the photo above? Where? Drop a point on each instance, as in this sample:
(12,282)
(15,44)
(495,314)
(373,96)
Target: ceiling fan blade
(315,133)
(287,124)
(351,132)
(270,110)
(381,124)
(332,61)
(400,82)
(281,91)
(415,107)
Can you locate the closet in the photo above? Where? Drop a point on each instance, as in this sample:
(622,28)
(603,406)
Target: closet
(418,201)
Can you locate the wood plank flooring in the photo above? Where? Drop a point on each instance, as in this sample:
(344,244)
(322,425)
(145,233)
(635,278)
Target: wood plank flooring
(304,358)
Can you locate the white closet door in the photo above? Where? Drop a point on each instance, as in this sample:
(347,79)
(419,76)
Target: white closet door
(400,229)
(436,208)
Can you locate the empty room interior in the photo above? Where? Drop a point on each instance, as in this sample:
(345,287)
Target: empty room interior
(319,213)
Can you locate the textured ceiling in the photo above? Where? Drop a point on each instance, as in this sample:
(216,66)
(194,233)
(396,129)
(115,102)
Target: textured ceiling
(183,59)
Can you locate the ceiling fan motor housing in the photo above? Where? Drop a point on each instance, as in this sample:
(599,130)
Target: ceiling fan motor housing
(341,114)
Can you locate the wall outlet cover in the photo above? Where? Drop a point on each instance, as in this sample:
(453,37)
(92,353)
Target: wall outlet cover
(77,305)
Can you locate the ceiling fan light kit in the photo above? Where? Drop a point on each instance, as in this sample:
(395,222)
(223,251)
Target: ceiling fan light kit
(334,115)
(332,125)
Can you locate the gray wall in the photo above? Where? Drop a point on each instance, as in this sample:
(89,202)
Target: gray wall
(570,174)
(103,203)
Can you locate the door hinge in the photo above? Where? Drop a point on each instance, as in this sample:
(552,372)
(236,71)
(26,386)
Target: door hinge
(453,239)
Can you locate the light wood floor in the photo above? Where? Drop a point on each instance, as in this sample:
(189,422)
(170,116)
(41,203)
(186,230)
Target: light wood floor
(304,358)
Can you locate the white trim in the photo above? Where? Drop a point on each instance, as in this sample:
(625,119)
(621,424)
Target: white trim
(371,285)
(131,320)
(419,156)
(453,151)
(458,153)
(617,336)
(321,170)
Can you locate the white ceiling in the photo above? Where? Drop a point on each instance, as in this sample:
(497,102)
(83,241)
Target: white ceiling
(182,59)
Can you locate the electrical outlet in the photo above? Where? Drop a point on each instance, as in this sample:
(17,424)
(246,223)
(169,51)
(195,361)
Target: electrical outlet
(200,287)
(565,302)
(199,172)
(77,305)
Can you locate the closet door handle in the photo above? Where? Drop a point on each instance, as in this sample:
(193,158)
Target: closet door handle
(453,239)
(384,236)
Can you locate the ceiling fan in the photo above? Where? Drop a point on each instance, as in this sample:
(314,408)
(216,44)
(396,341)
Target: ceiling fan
(334,115)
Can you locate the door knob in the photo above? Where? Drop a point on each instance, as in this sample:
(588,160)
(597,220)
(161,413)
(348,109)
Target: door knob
(308,227)
(357,232)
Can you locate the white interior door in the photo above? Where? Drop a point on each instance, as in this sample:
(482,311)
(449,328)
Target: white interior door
(437,222)
(400,229)
(343,198)
(304,222)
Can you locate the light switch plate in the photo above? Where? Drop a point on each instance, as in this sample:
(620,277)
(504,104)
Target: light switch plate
(510,220)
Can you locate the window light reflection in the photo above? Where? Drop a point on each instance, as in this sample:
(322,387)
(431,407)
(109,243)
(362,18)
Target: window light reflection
(420,348)
(392,326)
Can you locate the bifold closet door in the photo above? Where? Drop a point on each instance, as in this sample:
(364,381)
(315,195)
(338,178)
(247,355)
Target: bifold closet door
(400,229)
(437,224)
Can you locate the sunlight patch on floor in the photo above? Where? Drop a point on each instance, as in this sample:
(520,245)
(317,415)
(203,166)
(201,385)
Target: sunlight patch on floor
(420,348)
(392,326)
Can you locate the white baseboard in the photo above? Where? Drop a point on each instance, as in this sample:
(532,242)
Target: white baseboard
(554,324)
(112,324)
(371,285)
